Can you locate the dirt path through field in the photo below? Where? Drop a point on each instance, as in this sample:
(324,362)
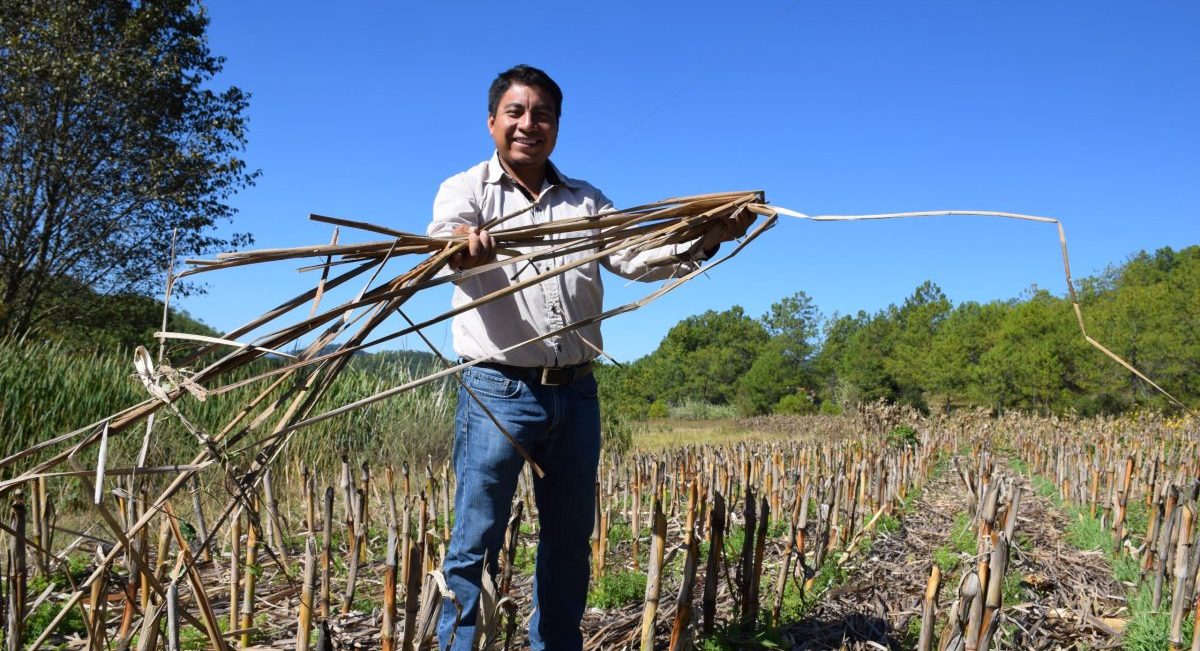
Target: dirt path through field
(1063,597)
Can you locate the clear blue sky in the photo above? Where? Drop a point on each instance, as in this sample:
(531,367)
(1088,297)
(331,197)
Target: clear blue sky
(1088,112)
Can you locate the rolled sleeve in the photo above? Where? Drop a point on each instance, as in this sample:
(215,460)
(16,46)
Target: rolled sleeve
(454,204)
(657,263)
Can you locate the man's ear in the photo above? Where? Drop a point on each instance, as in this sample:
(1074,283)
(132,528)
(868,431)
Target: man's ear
(491,121)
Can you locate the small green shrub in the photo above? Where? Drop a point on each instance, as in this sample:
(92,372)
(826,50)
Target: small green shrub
(831,408)
(657,409)
(617,589)
(888,524)
(619,532)
(946,559)
(903,436)
(701,410)
(37,621)
(795,404)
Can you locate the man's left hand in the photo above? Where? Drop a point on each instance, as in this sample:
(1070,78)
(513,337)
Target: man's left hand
(724,230)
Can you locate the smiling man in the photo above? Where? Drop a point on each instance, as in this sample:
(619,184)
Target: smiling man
(544,392)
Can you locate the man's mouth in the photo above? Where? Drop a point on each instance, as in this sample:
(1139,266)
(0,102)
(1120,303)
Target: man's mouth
(528,142)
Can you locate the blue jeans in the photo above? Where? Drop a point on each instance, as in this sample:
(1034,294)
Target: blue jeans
(560,428)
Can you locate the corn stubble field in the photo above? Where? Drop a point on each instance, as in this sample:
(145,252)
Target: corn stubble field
(876,530)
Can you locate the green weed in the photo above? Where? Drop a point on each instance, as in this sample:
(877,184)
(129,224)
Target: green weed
(619,532)
(962,535)
(37,621)
(946,559)
(617,589)
(525,559)
(903,436)
(888,524)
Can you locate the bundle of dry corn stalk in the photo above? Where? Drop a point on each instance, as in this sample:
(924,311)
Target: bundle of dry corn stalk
(286,394)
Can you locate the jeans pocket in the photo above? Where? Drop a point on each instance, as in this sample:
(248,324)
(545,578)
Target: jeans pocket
(587,386)
(492,383)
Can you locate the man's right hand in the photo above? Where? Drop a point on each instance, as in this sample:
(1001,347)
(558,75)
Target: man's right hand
(480,249)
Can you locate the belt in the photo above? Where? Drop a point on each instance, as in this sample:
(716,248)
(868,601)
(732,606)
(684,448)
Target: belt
(547,375)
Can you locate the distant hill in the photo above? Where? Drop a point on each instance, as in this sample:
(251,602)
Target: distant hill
(385,362)
(82,319)
(415,361)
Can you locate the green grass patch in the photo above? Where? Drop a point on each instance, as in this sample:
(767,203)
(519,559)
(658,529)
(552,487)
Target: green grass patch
(1148,629)
(730,638)
(1137,518)
(1046,489)
(525,559)
(1087,533)
(616,589)
(962,541)
(1019,466)
(619,532)
(962,535)
(38,620)
(735,537)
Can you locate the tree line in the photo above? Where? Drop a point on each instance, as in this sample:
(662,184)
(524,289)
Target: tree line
(1020,354)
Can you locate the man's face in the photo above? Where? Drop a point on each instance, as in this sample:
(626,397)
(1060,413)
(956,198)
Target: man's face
(525,126)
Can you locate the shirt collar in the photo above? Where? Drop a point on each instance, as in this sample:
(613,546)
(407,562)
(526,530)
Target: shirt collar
(496,173)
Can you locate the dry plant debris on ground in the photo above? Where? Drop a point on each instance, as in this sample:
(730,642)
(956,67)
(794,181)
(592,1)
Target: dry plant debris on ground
(1068,597)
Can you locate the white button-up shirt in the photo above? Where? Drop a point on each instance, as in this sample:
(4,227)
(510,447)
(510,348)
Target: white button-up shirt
(485,192)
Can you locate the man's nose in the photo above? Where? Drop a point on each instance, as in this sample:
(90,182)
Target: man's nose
(526,122)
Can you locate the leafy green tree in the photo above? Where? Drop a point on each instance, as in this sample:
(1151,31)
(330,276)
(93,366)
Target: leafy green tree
(833,386)
(772,376)
(1146,311)
(953,365)
(864,364)
(1033,364)
(110,138)
(916,323)
(797,319)
(784,366)
(703,356)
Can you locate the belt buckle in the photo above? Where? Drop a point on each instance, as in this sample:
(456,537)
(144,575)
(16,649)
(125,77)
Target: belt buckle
(553,377)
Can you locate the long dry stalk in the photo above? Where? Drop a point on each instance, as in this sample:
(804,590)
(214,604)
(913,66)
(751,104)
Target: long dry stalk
(929,609)
(304,623)
(387,629)
(1180,597)
(654,578)
(683,603)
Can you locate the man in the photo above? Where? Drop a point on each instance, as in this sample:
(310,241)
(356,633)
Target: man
(543,393)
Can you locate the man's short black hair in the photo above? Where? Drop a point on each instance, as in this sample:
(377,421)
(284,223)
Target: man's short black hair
(525,76)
